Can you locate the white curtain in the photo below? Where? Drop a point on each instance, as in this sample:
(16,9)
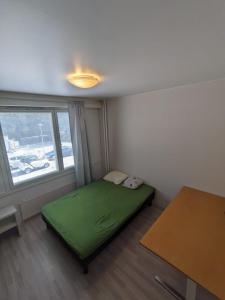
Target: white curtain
(80,143)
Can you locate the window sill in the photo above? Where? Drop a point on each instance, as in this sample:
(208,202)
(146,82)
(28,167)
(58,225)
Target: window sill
(38,181)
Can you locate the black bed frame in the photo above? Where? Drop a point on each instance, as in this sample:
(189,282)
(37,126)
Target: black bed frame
(85,262)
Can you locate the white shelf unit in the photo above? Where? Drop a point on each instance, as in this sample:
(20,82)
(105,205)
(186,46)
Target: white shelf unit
(10,218)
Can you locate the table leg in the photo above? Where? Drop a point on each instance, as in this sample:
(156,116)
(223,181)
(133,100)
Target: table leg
(191,289)
(168,288)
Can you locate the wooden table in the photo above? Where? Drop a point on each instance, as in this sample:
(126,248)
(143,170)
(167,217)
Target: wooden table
(190,235)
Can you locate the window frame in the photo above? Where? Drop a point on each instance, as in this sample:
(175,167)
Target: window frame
(4,162)
(58,130)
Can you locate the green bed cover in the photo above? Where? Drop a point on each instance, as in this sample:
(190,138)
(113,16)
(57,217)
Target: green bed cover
(89,216)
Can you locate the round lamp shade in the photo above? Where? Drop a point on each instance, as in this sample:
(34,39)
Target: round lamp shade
(84,80)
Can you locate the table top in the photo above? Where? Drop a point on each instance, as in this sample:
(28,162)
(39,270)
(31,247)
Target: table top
(190,235)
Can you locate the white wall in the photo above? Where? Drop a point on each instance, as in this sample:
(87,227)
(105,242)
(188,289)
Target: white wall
(171,137)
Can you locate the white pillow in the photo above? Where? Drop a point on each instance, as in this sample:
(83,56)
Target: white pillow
(116,177)
(133,183)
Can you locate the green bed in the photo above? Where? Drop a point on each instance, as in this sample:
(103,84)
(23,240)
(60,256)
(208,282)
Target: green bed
(89,216)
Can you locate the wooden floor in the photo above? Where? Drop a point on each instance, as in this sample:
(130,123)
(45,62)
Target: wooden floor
(38,266)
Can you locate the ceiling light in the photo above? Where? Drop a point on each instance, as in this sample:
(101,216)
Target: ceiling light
(84,80)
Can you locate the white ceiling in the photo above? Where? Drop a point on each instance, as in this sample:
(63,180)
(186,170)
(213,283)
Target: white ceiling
(137,45)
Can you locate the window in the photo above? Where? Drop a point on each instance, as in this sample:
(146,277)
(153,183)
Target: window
(35,144)
(2,186)
(65,138)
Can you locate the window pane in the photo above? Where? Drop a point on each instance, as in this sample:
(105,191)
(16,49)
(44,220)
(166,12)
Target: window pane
(29,143)
(65,136)
(2,186)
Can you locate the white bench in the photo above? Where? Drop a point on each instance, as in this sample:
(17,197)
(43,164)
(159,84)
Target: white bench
(9,218)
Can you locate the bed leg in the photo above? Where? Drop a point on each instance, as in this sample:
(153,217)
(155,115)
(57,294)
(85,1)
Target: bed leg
(46,223)
(85,269)
(151,199)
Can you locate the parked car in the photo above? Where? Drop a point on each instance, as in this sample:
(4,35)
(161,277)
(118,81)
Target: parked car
(28,163)
(14,162)
(50,155)
(66,151)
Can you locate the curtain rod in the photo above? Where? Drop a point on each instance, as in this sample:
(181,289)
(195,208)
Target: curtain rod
(22,99)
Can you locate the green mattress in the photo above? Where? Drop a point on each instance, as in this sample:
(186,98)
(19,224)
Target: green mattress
(89,216)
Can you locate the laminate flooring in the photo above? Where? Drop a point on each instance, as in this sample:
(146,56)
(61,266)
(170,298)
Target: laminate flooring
(37,266)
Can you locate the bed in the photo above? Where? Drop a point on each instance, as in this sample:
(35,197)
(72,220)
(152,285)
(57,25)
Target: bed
(88,218)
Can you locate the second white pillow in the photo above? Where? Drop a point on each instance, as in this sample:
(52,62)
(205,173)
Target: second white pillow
(133,183)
